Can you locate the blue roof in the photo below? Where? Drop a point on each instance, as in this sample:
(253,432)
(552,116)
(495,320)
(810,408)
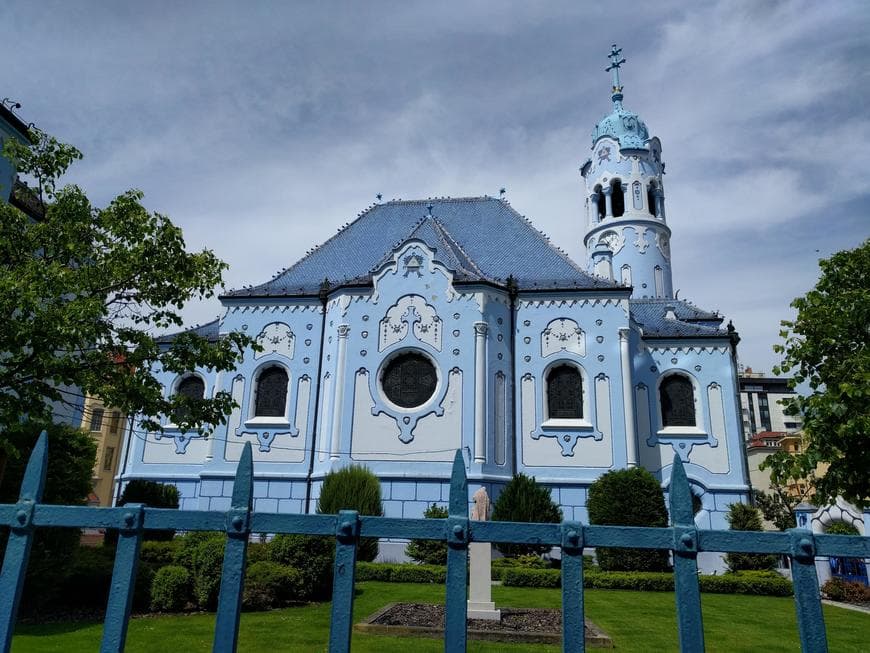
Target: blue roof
(691,321)
(210,331)
(478,238)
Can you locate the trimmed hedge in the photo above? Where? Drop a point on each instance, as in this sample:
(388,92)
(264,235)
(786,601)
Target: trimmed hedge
(312,556)
(838,589)
(270,585)
(159,553)
(760,583)
(400,573)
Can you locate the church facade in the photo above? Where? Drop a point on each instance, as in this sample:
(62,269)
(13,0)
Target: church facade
(428,326)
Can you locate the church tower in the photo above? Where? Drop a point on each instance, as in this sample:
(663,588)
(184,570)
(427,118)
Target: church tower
(627,239)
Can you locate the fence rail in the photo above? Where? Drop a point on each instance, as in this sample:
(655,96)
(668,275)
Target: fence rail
(347,527)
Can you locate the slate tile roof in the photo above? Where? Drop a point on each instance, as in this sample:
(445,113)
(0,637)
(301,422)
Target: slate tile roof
(690,321)
(480,238)
(209,330)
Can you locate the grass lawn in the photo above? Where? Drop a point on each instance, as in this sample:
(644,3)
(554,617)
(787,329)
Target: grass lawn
(637,621)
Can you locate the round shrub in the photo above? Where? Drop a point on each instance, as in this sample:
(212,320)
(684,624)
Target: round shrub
(741,517)
(628,497)
(429,552)
(353,488)
(203,555)
(312,556)
(523,500)
(170,589)
(153,495)
(270,585)
(841,528)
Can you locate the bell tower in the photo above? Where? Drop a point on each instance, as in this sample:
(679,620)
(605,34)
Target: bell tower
(627,238)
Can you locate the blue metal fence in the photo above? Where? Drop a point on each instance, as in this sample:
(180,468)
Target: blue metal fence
(347,527)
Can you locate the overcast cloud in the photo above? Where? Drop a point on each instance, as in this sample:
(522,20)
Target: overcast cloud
(261,128)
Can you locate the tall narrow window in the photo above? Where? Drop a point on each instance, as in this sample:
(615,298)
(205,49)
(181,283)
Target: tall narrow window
(271,398)
(651,198)
(602,203)
(97,419)
(108,458)
(114,421)
(191,387)
(564,393)
(618,199)
(677,400)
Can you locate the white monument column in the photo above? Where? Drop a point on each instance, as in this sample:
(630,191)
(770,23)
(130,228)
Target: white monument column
(480,329)
(338,406)
(480,605)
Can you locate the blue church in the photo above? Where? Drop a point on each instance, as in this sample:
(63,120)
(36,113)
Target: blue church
(427,326)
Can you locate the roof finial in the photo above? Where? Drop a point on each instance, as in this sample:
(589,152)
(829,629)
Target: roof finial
(615,63)
(429,208)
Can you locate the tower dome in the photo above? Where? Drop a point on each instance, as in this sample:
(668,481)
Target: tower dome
(627,237)
(621,124)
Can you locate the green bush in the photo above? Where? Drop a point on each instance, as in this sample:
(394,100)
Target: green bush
(841,528)
(159,553)
(401,572)
(312,556)
(153,495)
(429,552)
(519,577)
(202,554)
(742,517)
(353,488)
(748,582)
(523,500)
(628,497)
(270,585)
(67,482)
(257,552)
(170,589)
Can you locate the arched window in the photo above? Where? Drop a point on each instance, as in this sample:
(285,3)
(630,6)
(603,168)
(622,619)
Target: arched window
(271,396)
(191,387)
(564,393)
(602,203)
(651,198)
(677,401)
(618,199)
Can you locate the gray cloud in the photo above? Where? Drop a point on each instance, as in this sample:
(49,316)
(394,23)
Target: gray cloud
(262,129)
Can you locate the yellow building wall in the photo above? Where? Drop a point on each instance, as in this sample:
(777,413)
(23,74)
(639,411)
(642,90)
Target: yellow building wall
(106,425)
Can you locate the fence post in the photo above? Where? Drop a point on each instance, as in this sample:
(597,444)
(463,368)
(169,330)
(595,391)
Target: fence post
(686,590)
(811,621)
(123,579)
(226,632)
(457,536)
(21,539)
(573,619)
(347,539)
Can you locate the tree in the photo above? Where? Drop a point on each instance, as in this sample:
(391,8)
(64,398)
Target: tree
(353,488)
(429,552)
(628,497)
(82,292)
(827,346)
(523,500)
(746,518)
(792,482)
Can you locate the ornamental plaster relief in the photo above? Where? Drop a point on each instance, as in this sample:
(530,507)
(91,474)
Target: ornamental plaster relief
(411,314)
(412,265)
(641,242)
(276,338)
(698,349)
(274,308)
(570,303)
(663,243)
(563,334)
(378,435)
(166,449)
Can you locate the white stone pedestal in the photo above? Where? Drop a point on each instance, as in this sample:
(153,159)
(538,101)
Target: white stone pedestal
(480,605)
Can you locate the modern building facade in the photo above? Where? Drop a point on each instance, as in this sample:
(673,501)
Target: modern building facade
(428,326)
(761,404)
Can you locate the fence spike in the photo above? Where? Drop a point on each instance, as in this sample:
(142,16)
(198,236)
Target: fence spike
(457,536)
(21,539)
(238,527)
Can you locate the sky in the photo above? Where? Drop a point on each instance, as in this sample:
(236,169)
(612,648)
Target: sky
(261,128)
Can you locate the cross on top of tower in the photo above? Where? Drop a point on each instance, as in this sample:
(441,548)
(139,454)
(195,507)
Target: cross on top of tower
(615,63)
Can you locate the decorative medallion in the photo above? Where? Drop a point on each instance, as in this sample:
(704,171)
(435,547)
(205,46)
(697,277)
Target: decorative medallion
(276,338)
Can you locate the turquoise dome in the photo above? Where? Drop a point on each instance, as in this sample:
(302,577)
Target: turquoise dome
(622,125)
